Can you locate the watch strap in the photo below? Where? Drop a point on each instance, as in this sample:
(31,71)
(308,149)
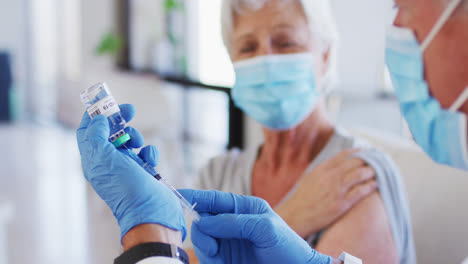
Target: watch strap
(147,250)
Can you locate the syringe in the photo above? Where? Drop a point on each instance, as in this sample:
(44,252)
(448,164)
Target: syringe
(99,100)
(186,206)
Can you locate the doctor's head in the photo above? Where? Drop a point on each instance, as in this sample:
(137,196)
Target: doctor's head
(446,55)
(427,57)
(281,50)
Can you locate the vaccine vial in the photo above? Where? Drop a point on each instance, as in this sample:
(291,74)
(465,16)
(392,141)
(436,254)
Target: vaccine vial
(98,100)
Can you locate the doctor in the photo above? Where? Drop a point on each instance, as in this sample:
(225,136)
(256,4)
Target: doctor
(427,57)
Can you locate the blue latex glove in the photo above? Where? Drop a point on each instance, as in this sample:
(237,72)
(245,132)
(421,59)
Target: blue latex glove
(242,229)
(133,195)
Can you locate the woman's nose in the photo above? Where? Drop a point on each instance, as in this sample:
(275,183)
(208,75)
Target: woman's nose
(264,50)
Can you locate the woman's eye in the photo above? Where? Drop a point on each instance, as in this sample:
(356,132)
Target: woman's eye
(287,44)
(247,49)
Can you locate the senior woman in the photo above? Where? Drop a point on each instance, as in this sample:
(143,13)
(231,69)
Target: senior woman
(316,176)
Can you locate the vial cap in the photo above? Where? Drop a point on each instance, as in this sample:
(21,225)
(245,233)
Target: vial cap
(121,140)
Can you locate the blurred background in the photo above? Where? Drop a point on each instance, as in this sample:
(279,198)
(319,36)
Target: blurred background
(166,57)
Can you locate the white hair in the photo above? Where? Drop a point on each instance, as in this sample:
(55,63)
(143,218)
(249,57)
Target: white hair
(319,16)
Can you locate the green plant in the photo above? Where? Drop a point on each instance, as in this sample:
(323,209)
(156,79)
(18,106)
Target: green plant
(170,5)
(110,44)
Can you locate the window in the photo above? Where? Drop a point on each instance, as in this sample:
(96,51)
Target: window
(213,65)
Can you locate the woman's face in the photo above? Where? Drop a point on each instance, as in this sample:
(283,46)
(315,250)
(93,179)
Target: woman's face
(280,27)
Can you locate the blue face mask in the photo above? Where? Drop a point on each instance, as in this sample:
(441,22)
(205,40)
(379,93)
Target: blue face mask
(441,133)
(278,91)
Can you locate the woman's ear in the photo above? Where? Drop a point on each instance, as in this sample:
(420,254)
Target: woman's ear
(326,60)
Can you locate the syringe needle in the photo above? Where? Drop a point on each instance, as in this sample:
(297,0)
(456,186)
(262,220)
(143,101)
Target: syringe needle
(188,208)
(185,204)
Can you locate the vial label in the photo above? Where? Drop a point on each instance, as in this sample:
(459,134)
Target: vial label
(107,106)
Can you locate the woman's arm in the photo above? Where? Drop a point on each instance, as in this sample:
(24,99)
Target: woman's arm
(364,232)
(327,192)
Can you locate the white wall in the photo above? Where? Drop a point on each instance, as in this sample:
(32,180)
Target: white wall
(42,37)
(361,25)
(44,56)
(13,25)
(97,19)
(12,31)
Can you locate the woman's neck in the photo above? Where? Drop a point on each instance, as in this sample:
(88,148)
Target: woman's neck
(297,146)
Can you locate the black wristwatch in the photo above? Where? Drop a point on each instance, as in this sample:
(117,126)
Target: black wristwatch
(148,250)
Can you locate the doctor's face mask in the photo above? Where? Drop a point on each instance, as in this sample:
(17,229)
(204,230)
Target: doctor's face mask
(442,133)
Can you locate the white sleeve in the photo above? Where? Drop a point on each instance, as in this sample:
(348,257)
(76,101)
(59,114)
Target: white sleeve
(465,261)
(160,260)
(217,171)
(349,259)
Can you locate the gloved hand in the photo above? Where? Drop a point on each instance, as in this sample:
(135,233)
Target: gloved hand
(242,229)
(133,195)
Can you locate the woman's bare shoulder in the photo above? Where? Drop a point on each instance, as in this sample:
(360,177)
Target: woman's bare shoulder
(364,231)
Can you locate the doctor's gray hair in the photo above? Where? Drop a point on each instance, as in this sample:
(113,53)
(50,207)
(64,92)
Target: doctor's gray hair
(319,16)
